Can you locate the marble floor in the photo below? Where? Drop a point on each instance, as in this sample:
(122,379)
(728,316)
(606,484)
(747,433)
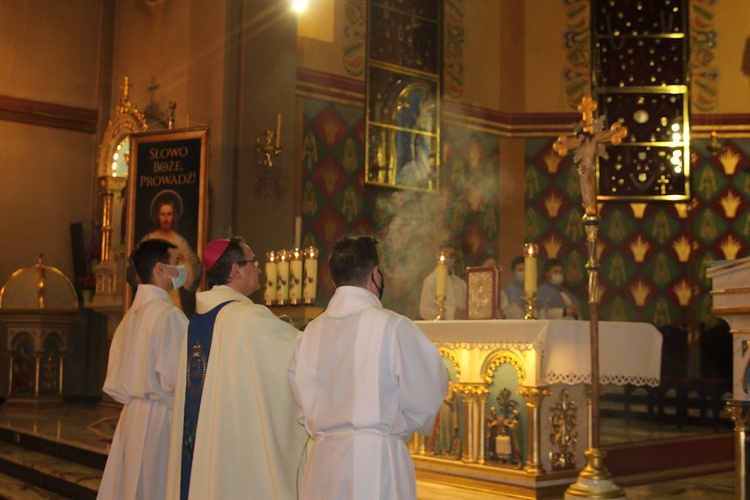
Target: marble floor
(90,427)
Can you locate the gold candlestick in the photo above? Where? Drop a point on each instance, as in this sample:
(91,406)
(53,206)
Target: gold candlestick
(440,301)
(530,305)
(441,285)
(268,159)
(530,253)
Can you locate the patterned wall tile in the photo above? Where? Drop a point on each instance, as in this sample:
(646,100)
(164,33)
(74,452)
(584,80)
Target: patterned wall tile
(411,224)
(652,256)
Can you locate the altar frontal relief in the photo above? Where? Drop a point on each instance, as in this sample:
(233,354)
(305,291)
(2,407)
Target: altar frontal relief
(167,198)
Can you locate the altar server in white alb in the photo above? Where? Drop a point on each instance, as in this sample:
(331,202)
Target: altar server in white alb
(141,375)
(363,379)
(553,300)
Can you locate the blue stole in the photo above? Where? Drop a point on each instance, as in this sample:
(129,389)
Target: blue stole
(200,334)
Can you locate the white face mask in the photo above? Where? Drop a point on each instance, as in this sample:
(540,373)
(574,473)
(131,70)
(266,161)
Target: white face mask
(179,280)
(519,276)
(556,279)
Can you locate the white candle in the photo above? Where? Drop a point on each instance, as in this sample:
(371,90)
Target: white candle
(297,231)
(282,278)
(271,273)
(441,282)
(278,130)
(529,268)
(309,287)
(295,277)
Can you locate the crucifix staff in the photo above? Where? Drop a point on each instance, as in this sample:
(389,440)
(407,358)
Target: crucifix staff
(588,143)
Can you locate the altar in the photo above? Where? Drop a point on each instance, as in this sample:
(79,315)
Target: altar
(518,412)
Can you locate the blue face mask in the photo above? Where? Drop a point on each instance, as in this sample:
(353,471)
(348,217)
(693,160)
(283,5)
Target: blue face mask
(179,280)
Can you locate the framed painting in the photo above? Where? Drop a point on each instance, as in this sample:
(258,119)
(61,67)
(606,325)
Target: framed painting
(403,132)
(404,64)
(167,199)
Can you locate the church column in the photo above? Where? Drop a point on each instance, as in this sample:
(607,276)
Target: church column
(37,370)
(482,434)
(739,411)
(474,401)
(467,445)
(534,396)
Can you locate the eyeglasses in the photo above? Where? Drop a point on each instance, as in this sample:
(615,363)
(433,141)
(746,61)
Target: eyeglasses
(244,262)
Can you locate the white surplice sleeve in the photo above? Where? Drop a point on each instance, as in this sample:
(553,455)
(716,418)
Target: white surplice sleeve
(423,379)
(167,344)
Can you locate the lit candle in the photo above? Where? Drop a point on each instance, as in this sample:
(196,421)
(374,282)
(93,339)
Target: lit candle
(530,251)
(295,276)
(271,273)
(441,274)
(309,287)
(278,130)
(282,278)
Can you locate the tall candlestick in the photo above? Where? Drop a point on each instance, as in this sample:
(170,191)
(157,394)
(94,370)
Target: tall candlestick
(282,279)
(278,130)
(295,276)
(530,252)
(271,274)
(441,274)
(310,285)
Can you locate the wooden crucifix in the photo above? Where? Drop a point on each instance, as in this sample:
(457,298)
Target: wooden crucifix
(588,142)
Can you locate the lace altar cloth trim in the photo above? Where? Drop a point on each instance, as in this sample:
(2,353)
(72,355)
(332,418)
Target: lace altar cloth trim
(493,346)
(585,378)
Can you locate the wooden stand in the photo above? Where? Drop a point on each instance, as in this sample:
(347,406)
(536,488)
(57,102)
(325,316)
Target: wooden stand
(299,316)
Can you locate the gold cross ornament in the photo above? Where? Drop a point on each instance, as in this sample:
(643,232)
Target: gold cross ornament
(588,143)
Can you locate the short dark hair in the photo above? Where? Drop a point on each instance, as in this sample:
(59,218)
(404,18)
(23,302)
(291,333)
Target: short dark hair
(516,261)
(550,263)
(218,274)
(148,254)
(447,244)
(353,259)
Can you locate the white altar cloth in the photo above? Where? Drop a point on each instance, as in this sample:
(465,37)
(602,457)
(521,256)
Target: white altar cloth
(629,353)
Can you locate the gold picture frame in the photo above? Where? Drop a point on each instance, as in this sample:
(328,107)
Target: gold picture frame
(483,292)
(403,131)
(167,198)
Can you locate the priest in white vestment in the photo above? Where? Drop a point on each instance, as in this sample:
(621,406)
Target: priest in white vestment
(363,379)
(141,375)
(512,299)
(235,433)
(553,300)
(455,300)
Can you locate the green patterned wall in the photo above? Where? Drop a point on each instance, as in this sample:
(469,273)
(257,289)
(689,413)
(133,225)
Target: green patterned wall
(653,255)
(333,194)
